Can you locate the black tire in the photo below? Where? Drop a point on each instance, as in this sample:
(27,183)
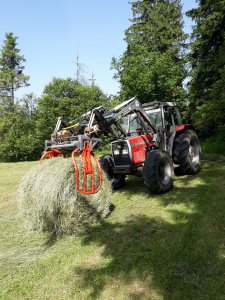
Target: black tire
(117,180)
(187,153)
(158,171)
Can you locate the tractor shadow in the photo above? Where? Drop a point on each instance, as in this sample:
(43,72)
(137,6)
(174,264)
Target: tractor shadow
(155,258)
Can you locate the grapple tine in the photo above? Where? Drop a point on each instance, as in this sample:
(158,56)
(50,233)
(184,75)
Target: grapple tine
(86,156)
(52,153)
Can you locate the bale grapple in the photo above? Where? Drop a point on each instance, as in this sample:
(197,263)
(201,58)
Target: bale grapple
(88,171)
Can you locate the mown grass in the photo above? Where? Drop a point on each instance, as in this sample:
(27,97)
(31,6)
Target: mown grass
(167,247)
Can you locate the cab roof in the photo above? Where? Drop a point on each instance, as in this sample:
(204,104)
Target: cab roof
(158,104)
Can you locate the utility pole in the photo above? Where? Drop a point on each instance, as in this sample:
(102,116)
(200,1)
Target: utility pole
(80,70)
(92,79)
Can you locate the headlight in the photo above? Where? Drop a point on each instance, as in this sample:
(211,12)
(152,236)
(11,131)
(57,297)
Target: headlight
(116,149)
(116,152)
(120,149)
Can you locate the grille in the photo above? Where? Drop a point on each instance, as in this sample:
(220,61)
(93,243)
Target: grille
(118,149)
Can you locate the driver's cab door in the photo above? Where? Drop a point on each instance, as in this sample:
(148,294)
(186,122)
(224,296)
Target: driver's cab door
(156,117)
(172,119)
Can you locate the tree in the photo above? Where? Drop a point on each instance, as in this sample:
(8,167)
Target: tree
(207,85)
(11,73)
(18,137)
(23,132)
(152,67)
(67,98)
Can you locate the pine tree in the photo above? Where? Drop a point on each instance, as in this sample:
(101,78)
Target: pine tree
(152,67)
(11,73)
(207,86)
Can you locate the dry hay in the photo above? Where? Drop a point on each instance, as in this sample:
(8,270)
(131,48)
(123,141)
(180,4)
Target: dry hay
(49,201)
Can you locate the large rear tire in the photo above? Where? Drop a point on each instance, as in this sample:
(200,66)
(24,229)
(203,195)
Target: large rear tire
(187,153)
(117,180)
(158,172)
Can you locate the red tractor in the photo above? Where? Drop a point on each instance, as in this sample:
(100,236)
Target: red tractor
(150,140)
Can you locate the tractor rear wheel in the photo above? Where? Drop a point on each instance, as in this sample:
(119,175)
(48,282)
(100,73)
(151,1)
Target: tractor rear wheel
(117,180)
(187,153)
(158,172)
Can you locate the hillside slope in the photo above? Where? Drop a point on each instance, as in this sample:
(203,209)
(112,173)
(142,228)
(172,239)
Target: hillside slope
(170,246)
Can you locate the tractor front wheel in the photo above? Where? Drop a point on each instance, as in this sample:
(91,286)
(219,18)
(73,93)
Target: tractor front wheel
(117,180)
(158,171)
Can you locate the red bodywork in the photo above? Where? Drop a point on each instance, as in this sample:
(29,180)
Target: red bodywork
(138,148)
(139,143)
(183,127)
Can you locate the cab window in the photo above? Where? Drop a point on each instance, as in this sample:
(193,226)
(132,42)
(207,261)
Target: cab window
(155,117)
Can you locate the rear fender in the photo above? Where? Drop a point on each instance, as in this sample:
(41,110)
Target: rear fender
(179,130)
(182,128)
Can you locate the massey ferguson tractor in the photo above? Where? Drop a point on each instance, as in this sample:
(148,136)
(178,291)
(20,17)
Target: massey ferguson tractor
(149,140)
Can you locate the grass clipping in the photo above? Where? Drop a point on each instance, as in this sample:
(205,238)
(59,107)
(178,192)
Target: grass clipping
(49,201)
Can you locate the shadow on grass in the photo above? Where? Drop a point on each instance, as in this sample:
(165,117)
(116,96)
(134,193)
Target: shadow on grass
(158,259)
(51,240)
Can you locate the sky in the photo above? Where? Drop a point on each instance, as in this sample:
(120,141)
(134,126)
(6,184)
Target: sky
(52,33)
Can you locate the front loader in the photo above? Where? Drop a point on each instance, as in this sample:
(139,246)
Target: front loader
(149,141)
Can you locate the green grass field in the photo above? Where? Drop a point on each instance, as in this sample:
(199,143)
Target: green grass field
(167,247)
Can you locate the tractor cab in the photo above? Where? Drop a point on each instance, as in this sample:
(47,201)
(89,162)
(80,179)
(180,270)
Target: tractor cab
(164,118)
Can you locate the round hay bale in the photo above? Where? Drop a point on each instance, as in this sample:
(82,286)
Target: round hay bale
(49,201)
